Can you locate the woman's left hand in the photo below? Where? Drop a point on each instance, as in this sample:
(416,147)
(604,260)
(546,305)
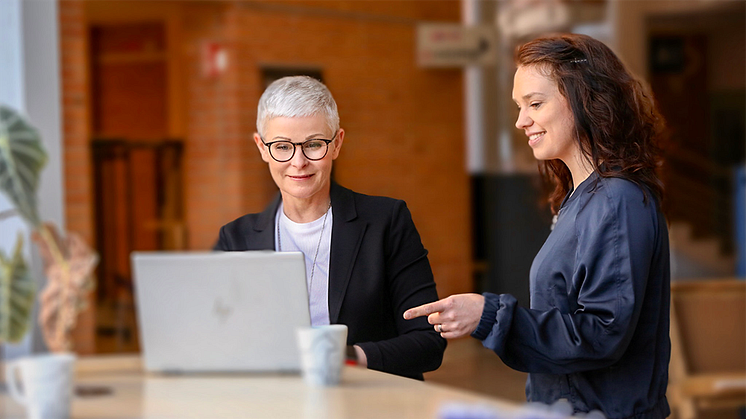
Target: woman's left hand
(454,316)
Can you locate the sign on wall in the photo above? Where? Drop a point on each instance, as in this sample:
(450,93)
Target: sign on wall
(454,45)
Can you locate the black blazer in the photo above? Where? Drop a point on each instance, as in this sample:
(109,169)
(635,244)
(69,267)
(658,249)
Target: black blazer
(378,268)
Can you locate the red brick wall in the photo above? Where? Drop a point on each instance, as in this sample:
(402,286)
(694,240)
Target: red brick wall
(218,159)
(404,124)
(76,133)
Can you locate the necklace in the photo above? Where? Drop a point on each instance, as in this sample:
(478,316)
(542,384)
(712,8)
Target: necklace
(321,235)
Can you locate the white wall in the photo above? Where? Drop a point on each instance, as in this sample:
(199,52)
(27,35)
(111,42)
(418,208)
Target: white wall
(30,83)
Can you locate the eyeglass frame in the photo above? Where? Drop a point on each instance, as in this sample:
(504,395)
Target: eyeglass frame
(269,148)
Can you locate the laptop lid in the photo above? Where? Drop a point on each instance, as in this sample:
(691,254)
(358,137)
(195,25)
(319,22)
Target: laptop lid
(220,311)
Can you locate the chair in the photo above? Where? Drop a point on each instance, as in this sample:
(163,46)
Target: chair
(708,346)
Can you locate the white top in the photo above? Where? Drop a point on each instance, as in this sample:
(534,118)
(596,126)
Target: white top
(307,238)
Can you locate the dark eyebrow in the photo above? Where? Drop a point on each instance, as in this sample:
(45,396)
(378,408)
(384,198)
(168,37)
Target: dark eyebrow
(528,96)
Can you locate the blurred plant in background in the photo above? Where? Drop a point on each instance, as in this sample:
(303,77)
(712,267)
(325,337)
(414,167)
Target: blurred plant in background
(68,261)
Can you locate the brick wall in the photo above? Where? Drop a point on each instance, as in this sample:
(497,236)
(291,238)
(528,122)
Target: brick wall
(223,178)
(404,124)
(76,133)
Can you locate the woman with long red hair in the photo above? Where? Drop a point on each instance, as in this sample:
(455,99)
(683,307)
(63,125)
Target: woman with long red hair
(597,331)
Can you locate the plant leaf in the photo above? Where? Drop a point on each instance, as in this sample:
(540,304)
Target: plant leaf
(68,264)
(17,291)
(22,157)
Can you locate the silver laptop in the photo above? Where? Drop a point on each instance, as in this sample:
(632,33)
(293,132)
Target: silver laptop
(220,311)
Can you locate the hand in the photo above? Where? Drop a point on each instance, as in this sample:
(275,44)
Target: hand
(454,316)
(362,360)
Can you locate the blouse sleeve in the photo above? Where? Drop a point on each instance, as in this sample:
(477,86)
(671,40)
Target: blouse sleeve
(615,242)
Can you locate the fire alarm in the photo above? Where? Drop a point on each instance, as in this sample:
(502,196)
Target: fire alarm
(214,59)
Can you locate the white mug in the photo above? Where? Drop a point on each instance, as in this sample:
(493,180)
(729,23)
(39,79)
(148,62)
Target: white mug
(47,384)
(322,351)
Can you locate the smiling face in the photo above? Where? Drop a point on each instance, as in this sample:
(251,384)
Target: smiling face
(544,116)
(299,178)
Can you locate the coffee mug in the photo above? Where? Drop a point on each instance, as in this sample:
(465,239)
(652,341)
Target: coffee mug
(47,382)
(322,352)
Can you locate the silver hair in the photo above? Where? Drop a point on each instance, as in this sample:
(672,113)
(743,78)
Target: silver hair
(296,96)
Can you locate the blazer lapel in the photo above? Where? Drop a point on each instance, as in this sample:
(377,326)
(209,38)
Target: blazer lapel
(347,235)
(264,237)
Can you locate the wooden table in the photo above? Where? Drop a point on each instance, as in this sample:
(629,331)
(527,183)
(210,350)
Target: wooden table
(363,393)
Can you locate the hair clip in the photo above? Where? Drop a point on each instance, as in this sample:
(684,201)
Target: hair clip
(579,60)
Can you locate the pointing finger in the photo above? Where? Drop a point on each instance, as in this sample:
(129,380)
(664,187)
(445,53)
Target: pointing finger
(424,310)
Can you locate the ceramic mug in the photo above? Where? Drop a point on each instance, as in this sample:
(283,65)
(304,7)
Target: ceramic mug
(322,352)
(47,382)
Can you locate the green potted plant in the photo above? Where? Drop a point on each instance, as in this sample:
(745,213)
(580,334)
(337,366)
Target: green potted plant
(68,264)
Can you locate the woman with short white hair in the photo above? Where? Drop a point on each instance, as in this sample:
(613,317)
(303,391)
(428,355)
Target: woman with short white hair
(365,262)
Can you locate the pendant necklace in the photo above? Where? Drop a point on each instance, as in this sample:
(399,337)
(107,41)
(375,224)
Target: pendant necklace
(321,235)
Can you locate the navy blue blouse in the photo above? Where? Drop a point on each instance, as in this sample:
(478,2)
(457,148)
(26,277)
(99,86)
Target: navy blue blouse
(597,333)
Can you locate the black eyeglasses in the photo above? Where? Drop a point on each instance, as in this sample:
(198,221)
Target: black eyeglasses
(313,149)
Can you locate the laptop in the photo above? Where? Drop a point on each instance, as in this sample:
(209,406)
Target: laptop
(220,311)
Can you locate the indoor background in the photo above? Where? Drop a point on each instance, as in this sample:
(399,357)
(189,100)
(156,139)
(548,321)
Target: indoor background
(158,107)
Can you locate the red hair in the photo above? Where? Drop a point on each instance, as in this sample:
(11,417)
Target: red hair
(615,118)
